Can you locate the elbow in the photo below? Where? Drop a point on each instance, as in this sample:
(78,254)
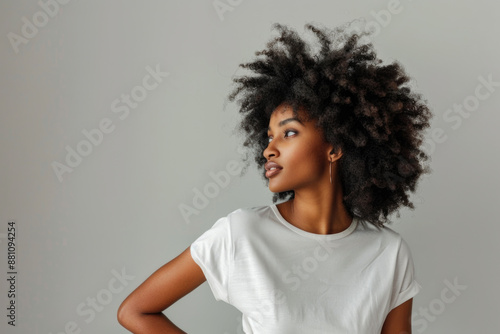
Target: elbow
(124,315)
(121,315)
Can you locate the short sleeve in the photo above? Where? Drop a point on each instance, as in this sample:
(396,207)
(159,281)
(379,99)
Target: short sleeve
(404,286)
(212,251)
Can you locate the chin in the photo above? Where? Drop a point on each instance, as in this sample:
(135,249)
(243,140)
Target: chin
(277,188)
(273,188)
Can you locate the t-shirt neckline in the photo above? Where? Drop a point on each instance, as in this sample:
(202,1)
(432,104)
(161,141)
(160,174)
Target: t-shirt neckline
(333,236)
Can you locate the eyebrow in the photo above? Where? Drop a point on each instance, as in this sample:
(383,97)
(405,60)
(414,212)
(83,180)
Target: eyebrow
(285,121)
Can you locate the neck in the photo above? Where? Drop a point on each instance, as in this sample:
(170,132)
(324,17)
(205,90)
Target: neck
(319,211)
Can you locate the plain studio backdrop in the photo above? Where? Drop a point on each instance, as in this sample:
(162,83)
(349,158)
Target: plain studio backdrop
(116,137)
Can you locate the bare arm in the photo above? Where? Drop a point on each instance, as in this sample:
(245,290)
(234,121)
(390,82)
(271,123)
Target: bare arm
(141,311)
(398,321)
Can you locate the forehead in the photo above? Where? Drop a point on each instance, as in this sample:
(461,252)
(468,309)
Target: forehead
(285,111)
(281,115)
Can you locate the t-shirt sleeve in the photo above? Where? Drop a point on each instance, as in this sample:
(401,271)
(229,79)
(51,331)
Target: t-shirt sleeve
(212,251)
(405,286)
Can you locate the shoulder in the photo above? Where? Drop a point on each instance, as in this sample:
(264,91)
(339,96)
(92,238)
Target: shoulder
(388,245)
(383,236)
(238,219)
(398,244)
(249,214)
(247,221)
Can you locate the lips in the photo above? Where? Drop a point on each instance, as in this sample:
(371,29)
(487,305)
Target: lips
(272,164)
(272,168)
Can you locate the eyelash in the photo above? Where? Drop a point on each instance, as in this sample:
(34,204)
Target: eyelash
(284,132)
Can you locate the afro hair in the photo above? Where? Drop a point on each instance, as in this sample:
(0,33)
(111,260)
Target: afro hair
(362,106)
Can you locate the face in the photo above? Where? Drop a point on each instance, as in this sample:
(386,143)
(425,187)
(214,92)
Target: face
(299,148)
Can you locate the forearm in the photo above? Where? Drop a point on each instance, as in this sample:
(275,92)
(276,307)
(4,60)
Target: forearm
(151,323)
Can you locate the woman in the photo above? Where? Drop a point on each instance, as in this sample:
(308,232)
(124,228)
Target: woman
(338,135)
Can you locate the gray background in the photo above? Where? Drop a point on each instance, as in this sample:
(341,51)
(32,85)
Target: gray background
(118,210)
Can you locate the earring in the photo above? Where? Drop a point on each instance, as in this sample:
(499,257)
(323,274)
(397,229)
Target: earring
(330,172)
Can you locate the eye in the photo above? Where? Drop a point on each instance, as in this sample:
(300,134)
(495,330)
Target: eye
(284,132)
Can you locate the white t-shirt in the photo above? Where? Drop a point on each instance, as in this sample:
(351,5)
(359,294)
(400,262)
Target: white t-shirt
(286,280)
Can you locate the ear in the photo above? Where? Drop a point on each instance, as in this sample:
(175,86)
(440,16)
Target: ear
(333,156)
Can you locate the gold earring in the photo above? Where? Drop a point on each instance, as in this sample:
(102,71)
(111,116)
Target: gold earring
(330,172)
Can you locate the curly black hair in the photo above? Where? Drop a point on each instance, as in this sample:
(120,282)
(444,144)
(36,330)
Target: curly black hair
(362,106)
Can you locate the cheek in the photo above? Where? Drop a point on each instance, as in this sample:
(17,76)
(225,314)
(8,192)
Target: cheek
(305,158)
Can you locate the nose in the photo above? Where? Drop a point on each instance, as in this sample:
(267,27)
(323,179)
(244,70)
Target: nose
(270,150)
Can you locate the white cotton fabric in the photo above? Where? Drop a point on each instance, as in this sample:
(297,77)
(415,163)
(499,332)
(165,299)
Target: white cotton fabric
(286,280)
